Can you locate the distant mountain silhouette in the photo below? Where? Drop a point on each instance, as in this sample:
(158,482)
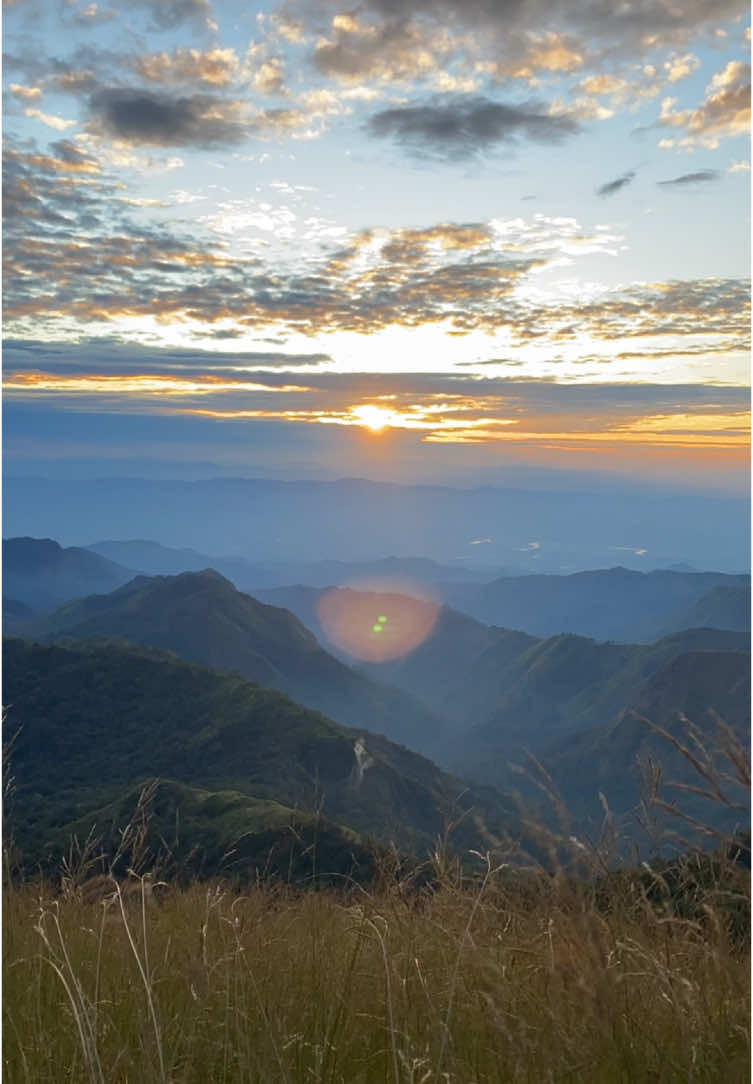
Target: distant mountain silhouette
(41,574)
(405,573)
(607,604)
(93,721)
(202,618)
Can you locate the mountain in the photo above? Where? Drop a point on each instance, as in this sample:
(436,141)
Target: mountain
(608,604)
(409,574)
(202,618)
(513,700)
(16,616)
(698,686)
(719,608)
(440,662)
(92,722)
(498,688)
(41,574)
(150,558)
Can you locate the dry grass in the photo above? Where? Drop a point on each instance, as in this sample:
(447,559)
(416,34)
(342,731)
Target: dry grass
(507,977)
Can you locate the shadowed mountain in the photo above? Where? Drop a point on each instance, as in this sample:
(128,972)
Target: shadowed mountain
(93,721)
(16,616)
(202,618)
(432,668)
(719,608)
(608,604)
(500,689)
(554,688)
(686,698)
(41,574)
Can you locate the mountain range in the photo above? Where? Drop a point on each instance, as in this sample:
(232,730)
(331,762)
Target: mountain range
(606,604)
(409,573)
(616,603)
(202,618)
(477,698)
(92,723)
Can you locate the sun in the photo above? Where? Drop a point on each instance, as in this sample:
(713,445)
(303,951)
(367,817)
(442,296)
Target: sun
(373,417)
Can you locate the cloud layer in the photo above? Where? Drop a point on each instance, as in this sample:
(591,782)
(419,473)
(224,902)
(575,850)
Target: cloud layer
(467,126)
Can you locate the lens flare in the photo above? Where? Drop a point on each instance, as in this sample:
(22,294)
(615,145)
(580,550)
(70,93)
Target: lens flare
(374,625)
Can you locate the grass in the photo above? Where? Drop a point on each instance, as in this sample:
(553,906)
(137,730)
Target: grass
(506,976)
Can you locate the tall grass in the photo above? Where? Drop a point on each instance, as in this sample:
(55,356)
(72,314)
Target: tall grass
(510,977)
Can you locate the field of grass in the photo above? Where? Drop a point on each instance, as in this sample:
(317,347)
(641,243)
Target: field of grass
(504,976)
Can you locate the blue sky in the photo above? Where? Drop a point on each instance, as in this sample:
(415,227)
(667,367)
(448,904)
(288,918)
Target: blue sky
(421,241)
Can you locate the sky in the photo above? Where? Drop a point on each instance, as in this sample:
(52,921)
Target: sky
(458,241)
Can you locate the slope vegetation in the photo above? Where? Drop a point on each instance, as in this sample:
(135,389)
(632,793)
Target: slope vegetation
(202,618)
(93,721)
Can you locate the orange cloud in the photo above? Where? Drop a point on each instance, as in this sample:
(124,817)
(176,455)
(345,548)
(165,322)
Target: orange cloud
(134,384)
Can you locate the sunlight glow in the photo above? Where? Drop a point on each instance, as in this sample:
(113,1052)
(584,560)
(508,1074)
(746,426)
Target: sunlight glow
(373,417)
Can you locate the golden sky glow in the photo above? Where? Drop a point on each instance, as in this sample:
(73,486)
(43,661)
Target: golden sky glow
(527,414)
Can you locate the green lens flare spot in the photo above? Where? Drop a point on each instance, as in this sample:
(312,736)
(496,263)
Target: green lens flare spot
(376,628)
(382,620)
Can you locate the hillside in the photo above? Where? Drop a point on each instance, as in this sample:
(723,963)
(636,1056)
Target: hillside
(719,608)
(554,688)
(698,686)
(608,604)
(454,642)
(40,574)
(202,618)
(92,722)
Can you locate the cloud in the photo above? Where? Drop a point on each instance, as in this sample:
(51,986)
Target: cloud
(26,94)
(437,408)
(724,112)
(701,176)
(74,254)
(502,41)
(158,119)
(465,127)
(680,67)
(91,15)
(167,14)
(112,356)
(611,187)
(214,67)
(398,50)
(58,123)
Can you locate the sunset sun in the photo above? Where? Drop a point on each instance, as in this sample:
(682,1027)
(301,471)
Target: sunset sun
(373,417)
